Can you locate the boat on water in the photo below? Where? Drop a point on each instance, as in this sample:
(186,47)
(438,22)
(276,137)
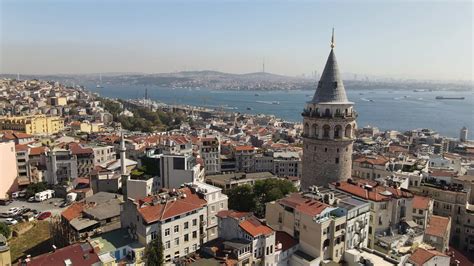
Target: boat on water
(275,102)
(256,94)
(99,86)
(249,108)
(449,98)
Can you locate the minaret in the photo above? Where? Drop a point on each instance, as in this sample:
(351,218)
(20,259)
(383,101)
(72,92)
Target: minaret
(122,150)
(328,129)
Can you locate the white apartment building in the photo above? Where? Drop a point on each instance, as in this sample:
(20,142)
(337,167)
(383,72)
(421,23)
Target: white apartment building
(103,154)
(210,151)
(176,169)
(179,218)
(216,202)
(257,239)
(286,164)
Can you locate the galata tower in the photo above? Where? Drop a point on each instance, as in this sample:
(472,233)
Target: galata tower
(329,122)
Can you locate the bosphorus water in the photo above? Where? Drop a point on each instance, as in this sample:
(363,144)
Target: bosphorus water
(385,109)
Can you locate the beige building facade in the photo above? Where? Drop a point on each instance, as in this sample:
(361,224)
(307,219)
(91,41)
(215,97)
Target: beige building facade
(34,124)
(9,170)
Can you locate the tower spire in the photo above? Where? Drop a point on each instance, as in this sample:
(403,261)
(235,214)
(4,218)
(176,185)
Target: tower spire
(333,44)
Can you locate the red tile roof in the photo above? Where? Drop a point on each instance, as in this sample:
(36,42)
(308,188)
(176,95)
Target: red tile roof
(244,148)
(421,256)
(78,254)
(372,159)
(38,150)
(374,192)
(77,149)
(162,211)
(285,240)
(21,147)
(12,135)
(438,226)
(303,204)
(73,211)
(254,227)
(421,203)
(443,173)
(232,214)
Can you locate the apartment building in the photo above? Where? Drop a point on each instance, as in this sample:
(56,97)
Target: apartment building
(357,212)
(61,166)
(245,158)
(422,210)
(173,170)
(179,218)
(210,151)
(370,166)
(319,228)
(437,232)
(216,202)
(251,241)
(389,206)
(453,199)
(9,170)
(85,159)
(33,124)
(286,164)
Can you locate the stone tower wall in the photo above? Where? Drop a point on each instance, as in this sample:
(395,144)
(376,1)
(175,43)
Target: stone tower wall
(327,156)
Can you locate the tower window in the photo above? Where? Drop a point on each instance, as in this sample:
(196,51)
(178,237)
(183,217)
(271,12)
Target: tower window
(337,160)
(325,149)
(337,149)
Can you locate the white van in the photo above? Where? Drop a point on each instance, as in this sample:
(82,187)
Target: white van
(44,195)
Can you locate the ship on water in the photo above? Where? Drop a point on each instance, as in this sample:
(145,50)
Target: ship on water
(449,98)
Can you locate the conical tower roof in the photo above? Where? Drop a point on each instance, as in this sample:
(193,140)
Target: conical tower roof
(330,87)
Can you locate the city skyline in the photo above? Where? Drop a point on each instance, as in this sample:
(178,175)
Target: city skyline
(292,38)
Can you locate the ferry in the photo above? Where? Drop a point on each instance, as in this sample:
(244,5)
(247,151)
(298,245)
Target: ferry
(449,98)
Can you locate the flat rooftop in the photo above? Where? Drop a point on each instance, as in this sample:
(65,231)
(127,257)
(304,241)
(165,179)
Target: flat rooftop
(113,240)
(239,176)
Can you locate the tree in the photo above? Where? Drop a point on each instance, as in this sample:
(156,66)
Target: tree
(5,230)
(242,198)
(154,253)
(254,198)
(34,188)
(269,190)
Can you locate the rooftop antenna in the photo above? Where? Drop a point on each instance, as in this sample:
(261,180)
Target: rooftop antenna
(333,43)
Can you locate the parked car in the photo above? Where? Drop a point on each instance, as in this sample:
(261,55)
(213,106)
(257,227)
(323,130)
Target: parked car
(44,215)
(24,210)
(5,202)
(13,211)
(11,221)
(31,199)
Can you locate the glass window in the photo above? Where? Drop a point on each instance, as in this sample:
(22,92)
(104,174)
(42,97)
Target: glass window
(167,232)
(176,229)
(186,225)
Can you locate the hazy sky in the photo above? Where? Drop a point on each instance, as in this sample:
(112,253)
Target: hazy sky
(411,39)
